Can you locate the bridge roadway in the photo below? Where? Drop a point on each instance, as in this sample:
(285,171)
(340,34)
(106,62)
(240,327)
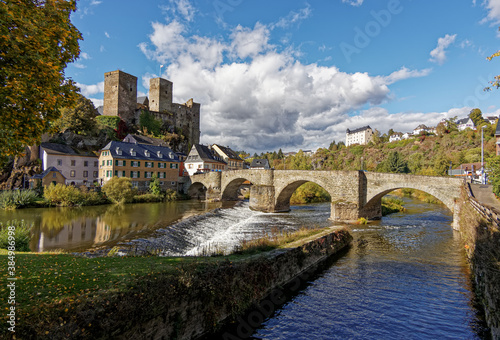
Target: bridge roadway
(354,194)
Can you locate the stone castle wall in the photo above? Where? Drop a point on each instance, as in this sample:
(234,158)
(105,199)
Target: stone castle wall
(120,99)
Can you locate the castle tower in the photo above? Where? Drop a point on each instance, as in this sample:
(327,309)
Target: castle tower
(120,95)
(160,94)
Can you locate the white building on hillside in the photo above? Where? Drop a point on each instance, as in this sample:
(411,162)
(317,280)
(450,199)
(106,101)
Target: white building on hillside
(360,136)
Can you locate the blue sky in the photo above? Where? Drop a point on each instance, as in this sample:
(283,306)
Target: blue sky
(296,74)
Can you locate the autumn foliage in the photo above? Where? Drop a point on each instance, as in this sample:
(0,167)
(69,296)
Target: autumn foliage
(37,41)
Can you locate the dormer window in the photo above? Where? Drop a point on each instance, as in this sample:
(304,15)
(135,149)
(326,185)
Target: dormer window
(158,153)
(132,152)
(171,155)
(146,153)
(118,151)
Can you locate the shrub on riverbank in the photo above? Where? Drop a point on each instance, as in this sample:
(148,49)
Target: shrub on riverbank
(119,190)
(22,235)
(68,195)
(15,199)
(392,205)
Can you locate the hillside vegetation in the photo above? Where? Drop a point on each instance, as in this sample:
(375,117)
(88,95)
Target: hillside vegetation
(430,155)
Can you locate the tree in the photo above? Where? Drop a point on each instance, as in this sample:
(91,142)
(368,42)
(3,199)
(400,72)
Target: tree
(79,118)
(37,41)
(149,124)
(494,173)
(396,164)
(119,189)
(477,117)
(154,186)
(280,154)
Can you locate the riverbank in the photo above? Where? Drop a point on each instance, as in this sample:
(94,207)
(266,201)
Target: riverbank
(481,235)
(170,297)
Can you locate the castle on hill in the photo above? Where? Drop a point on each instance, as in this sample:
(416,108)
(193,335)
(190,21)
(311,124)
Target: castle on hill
(120,99)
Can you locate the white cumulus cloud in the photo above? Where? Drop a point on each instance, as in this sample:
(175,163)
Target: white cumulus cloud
(438,55)
(493,7)
(355,3)
(258,97)
(90,90)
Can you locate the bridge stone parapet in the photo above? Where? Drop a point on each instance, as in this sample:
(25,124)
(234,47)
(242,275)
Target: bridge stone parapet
(353,194)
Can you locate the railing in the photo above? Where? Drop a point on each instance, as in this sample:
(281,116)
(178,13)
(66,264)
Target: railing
(489,213)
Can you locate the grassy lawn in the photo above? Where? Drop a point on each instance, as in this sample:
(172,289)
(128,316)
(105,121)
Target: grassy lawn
(48,278)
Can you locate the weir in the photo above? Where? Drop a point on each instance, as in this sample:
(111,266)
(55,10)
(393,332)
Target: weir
(354,194)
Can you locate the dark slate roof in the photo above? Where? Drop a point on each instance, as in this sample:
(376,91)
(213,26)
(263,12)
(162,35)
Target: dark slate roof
(54,148)
(359,129)
(46,172)
(200,153)
(260,163)
(497,131)
(230,153)
(462,121)
(61,149)
(140,151)
(130,138)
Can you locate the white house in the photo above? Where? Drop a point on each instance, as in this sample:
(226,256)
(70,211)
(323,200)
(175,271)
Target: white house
(202,159)
(360,136)
(78,168)
(465,123)
(492,119)
(406,135)
(395,137)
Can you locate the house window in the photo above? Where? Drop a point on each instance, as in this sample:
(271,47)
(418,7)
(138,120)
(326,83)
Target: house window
(136,163)
(103,162)
(149,164)
(86,163)
(135,184)
(96,174)
(109,162)
(199,166)
(174,166)
(73,162)
(190,166)
(172,183)
(148,174)
(109,173)
(96,164)
(85,174)
(59,162)
(72,173)
(54,175)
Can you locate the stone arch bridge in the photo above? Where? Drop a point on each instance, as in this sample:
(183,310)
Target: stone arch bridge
(354,194)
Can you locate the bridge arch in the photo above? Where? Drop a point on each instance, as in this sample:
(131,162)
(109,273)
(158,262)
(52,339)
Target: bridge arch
(197,190)
(230,191)
(283,197)
(445,189)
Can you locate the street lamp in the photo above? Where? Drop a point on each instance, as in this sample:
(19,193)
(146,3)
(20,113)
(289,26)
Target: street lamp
(482,156)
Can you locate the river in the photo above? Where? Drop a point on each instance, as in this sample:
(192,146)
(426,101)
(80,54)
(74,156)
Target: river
(404,276)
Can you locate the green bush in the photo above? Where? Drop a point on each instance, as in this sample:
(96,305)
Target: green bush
(147,198)
(64,195)
(108,121)
(14,199)
(21,231)
(171,195)
(119,189)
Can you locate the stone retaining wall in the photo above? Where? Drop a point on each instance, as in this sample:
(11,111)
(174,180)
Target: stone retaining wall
(243,285)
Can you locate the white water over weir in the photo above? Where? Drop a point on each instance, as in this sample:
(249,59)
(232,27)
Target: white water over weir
(221,230)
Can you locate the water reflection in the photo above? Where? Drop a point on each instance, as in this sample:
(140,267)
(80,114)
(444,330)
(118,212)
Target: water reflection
(79,229)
